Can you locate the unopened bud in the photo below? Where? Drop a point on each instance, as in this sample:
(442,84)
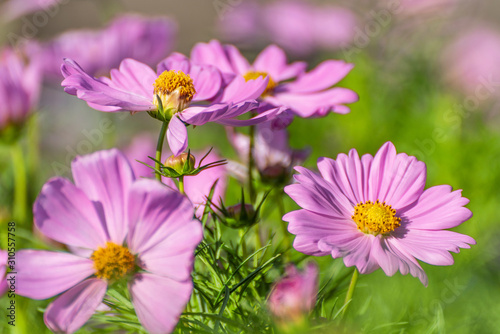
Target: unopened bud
(182,163)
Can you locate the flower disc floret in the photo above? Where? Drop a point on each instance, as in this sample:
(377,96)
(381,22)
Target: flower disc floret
(375,218)
(113,261)
(175,89)
(271,85)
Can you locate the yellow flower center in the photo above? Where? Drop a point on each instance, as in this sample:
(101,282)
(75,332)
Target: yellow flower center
(375,218)
(270,85)
(112,262)
(175,90)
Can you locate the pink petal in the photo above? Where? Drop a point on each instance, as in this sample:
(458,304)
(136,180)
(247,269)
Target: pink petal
(324,76)
(207,81)
(272,60)
(44,274)
(315,194)
(391,257)
(238,62)
(154,213)
(396,179)
(177,136)
(159,301)
(315,104)
(134,77)
(212,53)
(347,173)
(358,253)
(100,95)
(438,208)
(72,309)
(64,213)
(105,177)
(240,90)
(173,257)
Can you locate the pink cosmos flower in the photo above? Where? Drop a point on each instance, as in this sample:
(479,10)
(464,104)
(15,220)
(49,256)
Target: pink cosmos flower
(13,9)
(272,153)
(374,212)
(168,94)
(119,228)
(197,187)
(294,296)
(299,27)
(3,270)
(471,62)
(306,94)
(19,88)
(303,27)
(148,40)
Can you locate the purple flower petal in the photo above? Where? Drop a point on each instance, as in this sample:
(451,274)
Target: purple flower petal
(106,177)
(240,90)
(177,136)
(315,104)
(199,115)
(154,213)
(324,76)
(315,194)
(72,309)
(134,77)
(44,274)
(159,301)
(64,213)
(173,257)
(100,95)
(396,179)
(439,208)
(271,60)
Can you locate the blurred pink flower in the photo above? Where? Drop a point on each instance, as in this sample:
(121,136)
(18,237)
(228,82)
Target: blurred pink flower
(241,24)
(294,295)
(19,88)
(197,187)
(307,94)
(302,27)
(298,26)
(374,213)
(13,9)
(272,153)
(145,39)
(425,7)
(471,63)
(114,224)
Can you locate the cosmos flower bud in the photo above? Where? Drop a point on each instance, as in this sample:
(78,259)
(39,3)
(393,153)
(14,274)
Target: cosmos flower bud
(294,296)
(185,162)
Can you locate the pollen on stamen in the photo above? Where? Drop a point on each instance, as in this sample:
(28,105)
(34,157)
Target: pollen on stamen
(175,90)
(375,218)
(113,261)
(271,84)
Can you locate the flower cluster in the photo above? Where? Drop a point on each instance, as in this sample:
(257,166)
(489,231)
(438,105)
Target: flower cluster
(152,239)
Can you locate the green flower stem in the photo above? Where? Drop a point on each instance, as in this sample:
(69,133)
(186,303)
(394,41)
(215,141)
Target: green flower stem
(287,242)
(251,189)
(181,184)
(350,292)
(159,148)
(20,182)
(33,137)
